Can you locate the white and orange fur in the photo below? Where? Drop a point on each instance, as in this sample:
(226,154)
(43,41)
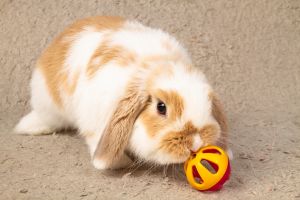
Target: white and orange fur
(105,75)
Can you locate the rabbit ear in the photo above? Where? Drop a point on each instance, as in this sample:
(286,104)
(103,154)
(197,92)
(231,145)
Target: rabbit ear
(117,133)
(219,115)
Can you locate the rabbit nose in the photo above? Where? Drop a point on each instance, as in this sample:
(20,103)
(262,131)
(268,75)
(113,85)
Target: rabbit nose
(197,143)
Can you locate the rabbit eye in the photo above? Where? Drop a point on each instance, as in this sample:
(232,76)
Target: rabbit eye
(161,108)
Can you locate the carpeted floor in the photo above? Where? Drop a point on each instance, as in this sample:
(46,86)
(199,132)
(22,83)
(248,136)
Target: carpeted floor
(249,51)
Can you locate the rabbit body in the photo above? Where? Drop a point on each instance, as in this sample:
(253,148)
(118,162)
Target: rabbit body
(98,76)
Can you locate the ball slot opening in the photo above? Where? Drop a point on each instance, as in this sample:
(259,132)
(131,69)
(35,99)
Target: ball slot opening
(196,175)
(210,166)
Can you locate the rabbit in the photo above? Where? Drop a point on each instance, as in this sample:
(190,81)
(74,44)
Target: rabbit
(127,89)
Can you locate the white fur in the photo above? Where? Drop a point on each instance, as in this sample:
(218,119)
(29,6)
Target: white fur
(197,143)
(145,41)
(84,45)
(194,89)
(45,116)
(95,99)
(33,124)
(140,137)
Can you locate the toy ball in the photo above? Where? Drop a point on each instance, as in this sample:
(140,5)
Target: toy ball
(208,169)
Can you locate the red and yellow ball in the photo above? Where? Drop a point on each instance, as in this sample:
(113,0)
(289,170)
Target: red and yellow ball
(208,169)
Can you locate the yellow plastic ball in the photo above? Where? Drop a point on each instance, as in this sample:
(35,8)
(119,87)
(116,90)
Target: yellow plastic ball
(207,169)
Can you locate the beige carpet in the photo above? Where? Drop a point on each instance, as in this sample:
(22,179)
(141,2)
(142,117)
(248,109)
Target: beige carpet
(250,51)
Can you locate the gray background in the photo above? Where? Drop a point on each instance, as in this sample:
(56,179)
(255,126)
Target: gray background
(249,50)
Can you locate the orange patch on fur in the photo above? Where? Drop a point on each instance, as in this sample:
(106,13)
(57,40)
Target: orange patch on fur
(106,53)
(177,146)
(173,101)
(178,143)
(52,59)
(209,134)
(153,121)
(100,23)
